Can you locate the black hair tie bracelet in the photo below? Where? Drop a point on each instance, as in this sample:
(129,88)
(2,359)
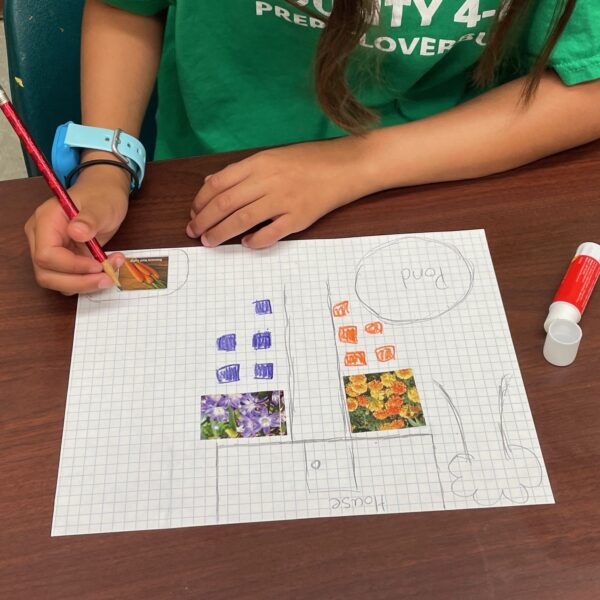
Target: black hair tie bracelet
(91,163)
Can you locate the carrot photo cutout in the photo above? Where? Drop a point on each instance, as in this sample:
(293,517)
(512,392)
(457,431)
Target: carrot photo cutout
(144,274)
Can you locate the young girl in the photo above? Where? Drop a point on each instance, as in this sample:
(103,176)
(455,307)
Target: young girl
(398,92)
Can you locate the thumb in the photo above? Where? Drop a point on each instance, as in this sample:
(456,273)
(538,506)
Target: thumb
(93,219)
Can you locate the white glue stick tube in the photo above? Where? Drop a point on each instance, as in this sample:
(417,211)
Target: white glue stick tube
(574,292)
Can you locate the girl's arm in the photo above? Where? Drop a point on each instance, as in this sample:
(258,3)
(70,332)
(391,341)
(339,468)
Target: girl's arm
(491,133)
(296,185)
(120,56)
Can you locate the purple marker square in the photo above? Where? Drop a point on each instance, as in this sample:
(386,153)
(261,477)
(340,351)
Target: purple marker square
(263,371)
(228,373)
(261,340)
(263,307)
(227,342)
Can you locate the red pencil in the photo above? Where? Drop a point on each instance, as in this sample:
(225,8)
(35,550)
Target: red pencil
(55,185)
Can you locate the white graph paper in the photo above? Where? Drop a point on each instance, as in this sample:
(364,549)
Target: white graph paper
(133,456)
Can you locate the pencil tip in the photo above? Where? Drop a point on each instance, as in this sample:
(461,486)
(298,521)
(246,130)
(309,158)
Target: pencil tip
(108,269)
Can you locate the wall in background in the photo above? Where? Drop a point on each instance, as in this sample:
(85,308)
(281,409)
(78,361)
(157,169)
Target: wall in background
(11,159)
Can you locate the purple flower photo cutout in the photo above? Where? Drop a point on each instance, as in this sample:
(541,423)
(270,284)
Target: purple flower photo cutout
(247,415)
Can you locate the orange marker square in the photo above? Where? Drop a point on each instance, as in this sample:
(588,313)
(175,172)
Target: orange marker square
(374,327)
(341,309)
(355,359)
(348,334)
(385,353)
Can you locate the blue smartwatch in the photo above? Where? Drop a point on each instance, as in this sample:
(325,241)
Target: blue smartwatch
(71,138)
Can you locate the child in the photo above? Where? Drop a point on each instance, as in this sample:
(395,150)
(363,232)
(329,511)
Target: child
(429,90)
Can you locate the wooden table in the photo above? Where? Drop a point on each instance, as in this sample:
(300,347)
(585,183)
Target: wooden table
(534,217)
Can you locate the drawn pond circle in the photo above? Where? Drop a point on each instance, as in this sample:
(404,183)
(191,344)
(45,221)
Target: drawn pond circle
(413,279)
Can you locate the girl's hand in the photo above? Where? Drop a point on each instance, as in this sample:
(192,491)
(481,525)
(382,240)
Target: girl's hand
(61,261)
(291,187)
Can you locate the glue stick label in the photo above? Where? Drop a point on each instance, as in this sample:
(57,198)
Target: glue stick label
(578,282)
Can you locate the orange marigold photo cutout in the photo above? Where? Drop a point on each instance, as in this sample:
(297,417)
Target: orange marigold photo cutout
(383,401)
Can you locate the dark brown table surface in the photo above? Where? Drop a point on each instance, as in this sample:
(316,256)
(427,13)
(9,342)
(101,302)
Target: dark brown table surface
(534,217)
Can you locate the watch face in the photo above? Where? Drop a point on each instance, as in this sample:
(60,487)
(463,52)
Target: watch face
(64,157)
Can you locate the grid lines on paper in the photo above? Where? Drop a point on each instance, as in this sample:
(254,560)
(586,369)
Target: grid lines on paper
(132,455)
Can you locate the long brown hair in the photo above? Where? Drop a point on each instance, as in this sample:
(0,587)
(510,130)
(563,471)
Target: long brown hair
(349,21)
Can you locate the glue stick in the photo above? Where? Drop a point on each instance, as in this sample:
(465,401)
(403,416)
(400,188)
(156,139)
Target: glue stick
(564,335)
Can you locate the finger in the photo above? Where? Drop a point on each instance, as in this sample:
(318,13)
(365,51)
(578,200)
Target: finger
(63,260)
(96,218)
(116,259)
(273,232)
(69,283)
(193,213)
(225,204)
(73,284)
(50,253)
(239,222)
(219,182)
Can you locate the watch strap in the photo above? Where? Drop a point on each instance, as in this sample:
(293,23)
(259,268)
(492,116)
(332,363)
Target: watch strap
(74,173)
(128,148)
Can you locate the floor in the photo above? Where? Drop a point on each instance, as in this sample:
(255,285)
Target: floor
(11,159)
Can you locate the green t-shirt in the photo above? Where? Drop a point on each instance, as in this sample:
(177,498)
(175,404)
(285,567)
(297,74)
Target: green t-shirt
(238,73)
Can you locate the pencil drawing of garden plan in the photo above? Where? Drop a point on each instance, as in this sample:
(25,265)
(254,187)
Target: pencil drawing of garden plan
(318,378)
